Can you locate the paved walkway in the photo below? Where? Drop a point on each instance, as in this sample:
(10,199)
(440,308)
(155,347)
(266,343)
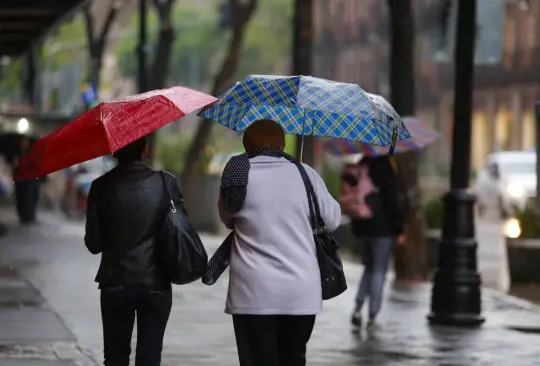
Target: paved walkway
(31,333)
(53,258)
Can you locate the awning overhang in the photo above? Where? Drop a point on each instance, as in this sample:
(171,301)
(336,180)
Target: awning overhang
(23,22)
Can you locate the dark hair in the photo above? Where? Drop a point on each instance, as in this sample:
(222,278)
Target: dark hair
(264,133)
(132,152)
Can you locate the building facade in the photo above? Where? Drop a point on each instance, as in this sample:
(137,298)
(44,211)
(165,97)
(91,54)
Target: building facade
(352,44)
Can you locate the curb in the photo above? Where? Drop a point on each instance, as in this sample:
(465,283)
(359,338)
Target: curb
(512,300)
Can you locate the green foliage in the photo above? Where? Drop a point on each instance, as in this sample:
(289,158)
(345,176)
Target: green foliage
(200,45)
(433,213)
(527,222)
(268,39)
(290,144)
(171,150)
(126,45)
(10,83)
(66,45)
(331,177)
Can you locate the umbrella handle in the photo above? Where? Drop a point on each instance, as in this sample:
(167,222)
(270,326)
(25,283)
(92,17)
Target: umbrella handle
(301,148)
(394,141)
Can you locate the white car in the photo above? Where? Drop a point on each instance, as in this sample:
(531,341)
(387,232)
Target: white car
(507,180)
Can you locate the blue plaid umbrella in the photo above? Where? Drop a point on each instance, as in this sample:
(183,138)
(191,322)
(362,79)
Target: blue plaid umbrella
(309,106)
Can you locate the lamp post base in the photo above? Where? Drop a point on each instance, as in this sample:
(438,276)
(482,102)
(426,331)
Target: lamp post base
(456,295)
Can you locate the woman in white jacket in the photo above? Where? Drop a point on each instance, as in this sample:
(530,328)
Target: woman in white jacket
(274,284)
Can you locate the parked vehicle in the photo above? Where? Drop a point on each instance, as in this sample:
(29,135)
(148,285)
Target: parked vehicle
(507,180)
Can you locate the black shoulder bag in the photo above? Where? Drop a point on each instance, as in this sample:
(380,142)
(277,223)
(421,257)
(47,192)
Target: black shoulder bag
(181,253)
(332,276)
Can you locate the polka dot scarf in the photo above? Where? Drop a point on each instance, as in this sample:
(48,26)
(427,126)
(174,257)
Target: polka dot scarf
(235,177)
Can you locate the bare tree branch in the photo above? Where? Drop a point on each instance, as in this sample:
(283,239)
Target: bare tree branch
(163,8)
(109,20)
(89,26)
(96,43)
(163,48)
(242,14)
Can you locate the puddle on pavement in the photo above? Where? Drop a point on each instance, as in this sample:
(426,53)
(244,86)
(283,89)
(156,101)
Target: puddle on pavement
(8,272)
(12,350)
(15,292)
(526,330)
(371,353)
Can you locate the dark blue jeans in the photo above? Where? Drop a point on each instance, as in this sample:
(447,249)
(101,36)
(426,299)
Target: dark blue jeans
(375,254)
(119,304)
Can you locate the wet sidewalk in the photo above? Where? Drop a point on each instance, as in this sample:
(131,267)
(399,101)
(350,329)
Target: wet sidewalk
(31,333)
(53,258)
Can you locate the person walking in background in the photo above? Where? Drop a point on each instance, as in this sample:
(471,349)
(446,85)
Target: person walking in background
(274,284)
(26,191)
(124,214)
(370,197)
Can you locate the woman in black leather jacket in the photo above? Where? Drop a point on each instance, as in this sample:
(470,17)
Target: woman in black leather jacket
(125,209)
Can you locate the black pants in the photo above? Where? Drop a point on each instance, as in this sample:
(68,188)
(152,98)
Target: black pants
(272,340)
(119,304)
(26,197)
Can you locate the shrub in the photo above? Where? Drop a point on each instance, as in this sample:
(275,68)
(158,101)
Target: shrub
(171,150)
(528,222)
(331,177)
(433,213)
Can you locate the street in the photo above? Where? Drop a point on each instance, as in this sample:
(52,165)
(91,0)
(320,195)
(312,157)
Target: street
(53,258)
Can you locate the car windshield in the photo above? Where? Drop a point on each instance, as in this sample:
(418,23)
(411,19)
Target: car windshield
(519,168)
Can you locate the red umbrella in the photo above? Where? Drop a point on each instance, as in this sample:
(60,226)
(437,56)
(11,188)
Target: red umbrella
(108,127)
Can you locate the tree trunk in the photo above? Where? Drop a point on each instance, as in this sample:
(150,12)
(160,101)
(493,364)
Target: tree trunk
(302,51)
(410,257)
(242,13)
(30,77)
(97,43)
(162,56)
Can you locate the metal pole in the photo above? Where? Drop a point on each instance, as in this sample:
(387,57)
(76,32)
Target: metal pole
(302,51)
(537,134)
(301,148)
(141,49)
(456,296)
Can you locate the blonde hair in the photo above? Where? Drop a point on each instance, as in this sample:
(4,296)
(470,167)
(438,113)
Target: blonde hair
(264,133)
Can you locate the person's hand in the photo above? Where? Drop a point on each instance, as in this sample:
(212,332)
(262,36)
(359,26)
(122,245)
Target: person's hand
(400,239)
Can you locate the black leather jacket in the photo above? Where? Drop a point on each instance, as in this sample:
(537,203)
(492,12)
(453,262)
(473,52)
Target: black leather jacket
(125,209)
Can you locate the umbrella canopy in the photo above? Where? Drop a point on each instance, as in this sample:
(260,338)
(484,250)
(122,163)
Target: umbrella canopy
(421,136)
(108,127)
(306,105)
(10,145)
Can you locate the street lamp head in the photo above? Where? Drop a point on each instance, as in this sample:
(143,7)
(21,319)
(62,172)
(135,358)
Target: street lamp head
(23,125)
(5,60)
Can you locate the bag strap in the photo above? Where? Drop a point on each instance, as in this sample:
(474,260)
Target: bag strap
(307,185)
(317,222)
(166,186)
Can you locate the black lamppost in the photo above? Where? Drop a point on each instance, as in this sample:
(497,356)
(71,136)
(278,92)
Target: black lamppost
(456,296)
(141,48)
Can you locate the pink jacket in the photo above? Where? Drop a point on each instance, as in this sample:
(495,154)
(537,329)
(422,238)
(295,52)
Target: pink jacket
(352,198)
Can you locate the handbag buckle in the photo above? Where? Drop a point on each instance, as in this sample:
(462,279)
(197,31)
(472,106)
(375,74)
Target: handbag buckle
(173,207)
